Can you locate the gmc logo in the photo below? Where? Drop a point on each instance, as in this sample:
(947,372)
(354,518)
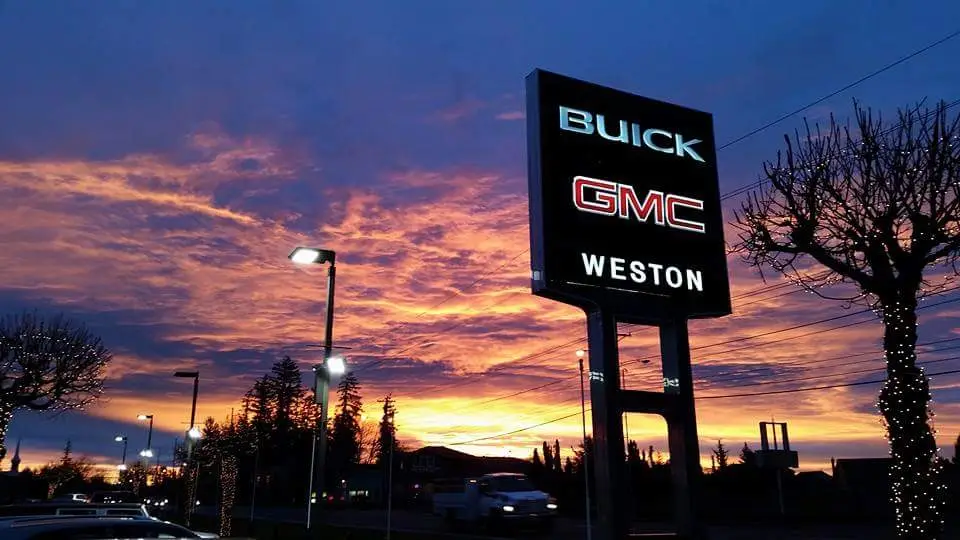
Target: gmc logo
(613,199)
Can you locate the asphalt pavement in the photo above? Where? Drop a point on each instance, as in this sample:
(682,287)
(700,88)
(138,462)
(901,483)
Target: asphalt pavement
(565,528)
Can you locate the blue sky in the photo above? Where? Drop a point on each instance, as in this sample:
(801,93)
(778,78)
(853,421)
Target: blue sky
(172,152)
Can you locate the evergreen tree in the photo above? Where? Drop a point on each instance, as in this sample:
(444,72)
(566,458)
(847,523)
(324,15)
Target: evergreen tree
(747,456)
(537,464)
(344,441)
(583,453)
(548,457)
(634,455)
(286,390)
(387,433)
(556,455)
(257,405)
(721,455)
(568,466)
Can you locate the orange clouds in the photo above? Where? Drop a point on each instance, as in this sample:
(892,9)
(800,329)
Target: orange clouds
(432,267)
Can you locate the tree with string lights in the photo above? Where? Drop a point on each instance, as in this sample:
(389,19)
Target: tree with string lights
(876,208)
(222,446)
(47,365)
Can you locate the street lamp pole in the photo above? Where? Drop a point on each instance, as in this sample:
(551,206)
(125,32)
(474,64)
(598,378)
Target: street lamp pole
(586,462)
(192,433)
(322,375)
(148,451)
(123,453)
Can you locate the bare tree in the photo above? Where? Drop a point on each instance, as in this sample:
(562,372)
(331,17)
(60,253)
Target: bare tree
(877,216)
(47,365)
(368,441)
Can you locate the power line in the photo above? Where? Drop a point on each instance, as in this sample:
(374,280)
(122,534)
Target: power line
(809,389)
(806,365)
(827,376)
(799,326)
(727,396)
(753,185)
(857,82)
(927,306)
(724,146)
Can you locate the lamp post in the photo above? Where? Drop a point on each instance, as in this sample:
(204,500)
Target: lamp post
(583,420)
(148,451)
(393,434)
(330,366)
(123,454)
(193,433)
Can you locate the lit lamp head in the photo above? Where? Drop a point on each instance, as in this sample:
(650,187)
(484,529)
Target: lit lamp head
(119,438)
(336,365)
(581,353)
(144,416)
(305,255)
(194,433)
(146,453)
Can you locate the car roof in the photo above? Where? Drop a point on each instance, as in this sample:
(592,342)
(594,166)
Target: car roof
(48,522)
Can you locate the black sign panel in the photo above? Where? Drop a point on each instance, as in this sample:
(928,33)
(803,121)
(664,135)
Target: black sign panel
(624,203)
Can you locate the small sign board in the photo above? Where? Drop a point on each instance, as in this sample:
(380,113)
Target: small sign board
(624,203)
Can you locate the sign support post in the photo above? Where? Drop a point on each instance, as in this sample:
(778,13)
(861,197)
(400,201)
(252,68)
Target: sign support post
(682,427)
(608,455)
(626,224)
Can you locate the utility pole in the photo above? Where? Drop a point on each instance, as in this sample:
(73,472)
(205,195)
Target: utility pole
(388,422)
(585,464)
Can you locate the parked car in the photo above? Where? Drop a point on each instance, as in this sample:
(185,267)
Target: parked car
(495,500)
(90,527)
(74,497)
(75,509)
(115,497)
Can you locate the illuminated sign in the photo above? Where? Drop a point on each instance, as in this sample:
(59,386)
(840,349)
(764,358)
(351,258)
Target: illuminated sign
(624,202)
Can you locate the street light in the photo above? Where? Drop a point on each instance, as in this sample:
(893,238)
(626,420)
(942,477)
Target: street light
(583,419)
(193,433)
(329,366)
(123,455)
(333,366)
(147,452)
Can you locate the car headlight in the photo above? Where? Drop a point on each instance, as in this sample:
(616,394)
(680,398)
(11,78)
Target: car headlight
(507,508)
(551,506)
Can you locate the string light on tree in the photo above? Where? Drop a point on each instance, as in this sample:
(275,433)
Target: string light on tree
(877,214)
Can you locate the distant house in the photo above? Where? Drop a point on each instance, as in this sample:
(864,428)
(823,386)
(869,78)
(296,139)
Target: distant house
(433,462)
(864,484)
(417,470)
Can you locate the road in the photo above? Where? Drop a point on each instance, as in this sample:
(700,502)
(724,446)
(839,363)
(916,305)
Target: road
(569,529)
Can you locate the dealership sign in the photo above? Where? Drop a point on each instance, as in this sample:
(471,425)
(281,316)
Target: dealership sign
(624,203)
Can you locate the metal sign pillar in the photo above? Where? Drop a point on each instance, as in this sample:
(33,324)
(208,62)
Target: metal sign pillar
(607,413)
(675,404)
(681,420)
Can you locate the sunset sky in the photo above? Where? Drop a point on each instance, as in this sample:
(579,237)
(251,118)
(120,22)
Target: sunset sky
(158,162)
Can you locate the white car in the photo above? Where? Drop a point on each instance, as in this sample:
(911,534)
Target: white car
(73,497)
(90,527)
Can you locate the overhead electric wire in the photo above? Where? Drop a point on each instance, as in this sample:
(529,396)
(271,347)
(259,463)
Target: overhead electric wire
(857,82)
(809,389)
(726,396)
(821,331)
(799,326)
(830,375)
(753,185)
(724,146)
(725,376)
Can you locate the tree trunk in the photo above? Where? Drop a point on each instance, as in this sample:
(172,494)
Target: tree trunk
(917,486)
(228,486)
(6,414)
